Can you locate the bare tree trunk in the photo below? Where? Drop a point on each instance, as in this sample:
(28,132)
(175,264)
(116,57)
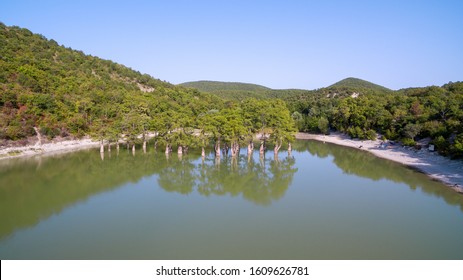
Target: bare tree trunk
(133,149)
(235,149)
(289,147)
(117,145)
(203,153)
(144,141)
(261,149)
(155,144)
(232,144)
(39,137)
(250,147)
(180,150)
(101,146)
(109,146)
(217,148)
(277,148)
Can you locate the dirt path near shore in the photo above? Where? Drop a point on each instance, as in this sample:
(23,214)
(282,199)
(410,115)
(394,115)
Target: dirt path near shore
(440,168)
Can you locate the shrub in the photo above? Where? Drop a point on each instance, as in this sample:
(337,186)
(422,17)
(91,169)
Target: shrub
(408,142)
(371,134)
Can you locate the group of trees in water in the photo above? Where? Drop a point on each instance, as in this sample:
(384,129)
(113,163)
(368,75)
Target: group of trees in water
(51,91)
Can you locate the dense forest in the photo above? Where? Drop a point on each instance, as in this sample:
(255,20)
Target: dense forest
(241,91)
(49,91)
(433,113)
(363,110)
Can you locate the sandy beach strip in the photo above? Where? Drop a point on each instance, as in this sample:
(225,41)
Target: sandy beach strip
(449,172)
(48,148)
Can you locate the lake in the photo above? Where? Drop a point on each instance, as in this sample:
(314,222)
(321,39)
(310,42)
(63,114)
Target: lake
(321,202)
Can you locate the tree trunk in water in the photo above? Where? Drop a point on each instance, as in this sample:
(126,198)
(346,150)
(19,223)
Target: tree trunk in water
(235,148)
(155,144)
(276,148)
(261,149)
(101,146)
(39,137)
(117,145)
(250,147)
(180,150)
(217,148)
(167,149)
(109,146)
(133,149)
(233,154)
(289,147)
(144,146)
(203,152)
(128,145)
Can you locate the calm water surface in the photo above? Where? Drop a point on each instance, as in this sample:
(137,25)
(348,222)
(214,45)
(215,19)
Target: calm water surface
(322,202)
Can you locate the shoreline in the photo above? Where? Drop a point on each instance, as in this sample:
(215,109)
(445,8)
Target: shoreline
(437,167)
(51,148)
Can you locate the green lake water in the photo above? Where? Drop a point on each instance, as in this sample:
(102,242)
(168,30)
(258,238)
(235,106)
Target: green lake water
(321,202)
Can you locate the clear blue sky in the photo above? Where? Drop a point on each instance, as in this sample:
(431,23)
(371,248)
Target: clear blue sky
(279,44)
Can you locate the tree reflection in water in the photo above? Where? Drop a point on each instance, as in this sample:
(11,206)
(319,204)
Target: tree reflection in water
(260,182)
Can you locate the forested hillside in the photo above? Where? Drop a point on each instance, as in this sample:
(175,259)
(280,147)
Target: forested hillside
(407,115)
(240,91)
(65,92)
(209,86)
(357,84)
(53,91)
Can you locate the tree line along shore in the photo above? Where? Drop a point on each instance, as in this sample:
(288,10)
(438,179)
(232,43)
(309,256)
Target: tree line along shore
(49,92)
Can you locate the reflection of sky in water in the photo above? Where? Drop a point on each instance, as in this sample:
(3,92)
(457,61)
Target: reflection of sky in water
(344,204)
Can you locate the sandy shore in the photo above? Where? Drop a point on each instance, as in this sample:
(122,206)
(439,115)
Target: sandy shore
(440,168)
(48,148)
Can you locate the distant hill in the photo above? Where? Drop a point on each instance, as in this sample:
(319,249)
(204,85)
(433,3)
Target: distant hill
(240,91)
(354,83)
(209,86)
